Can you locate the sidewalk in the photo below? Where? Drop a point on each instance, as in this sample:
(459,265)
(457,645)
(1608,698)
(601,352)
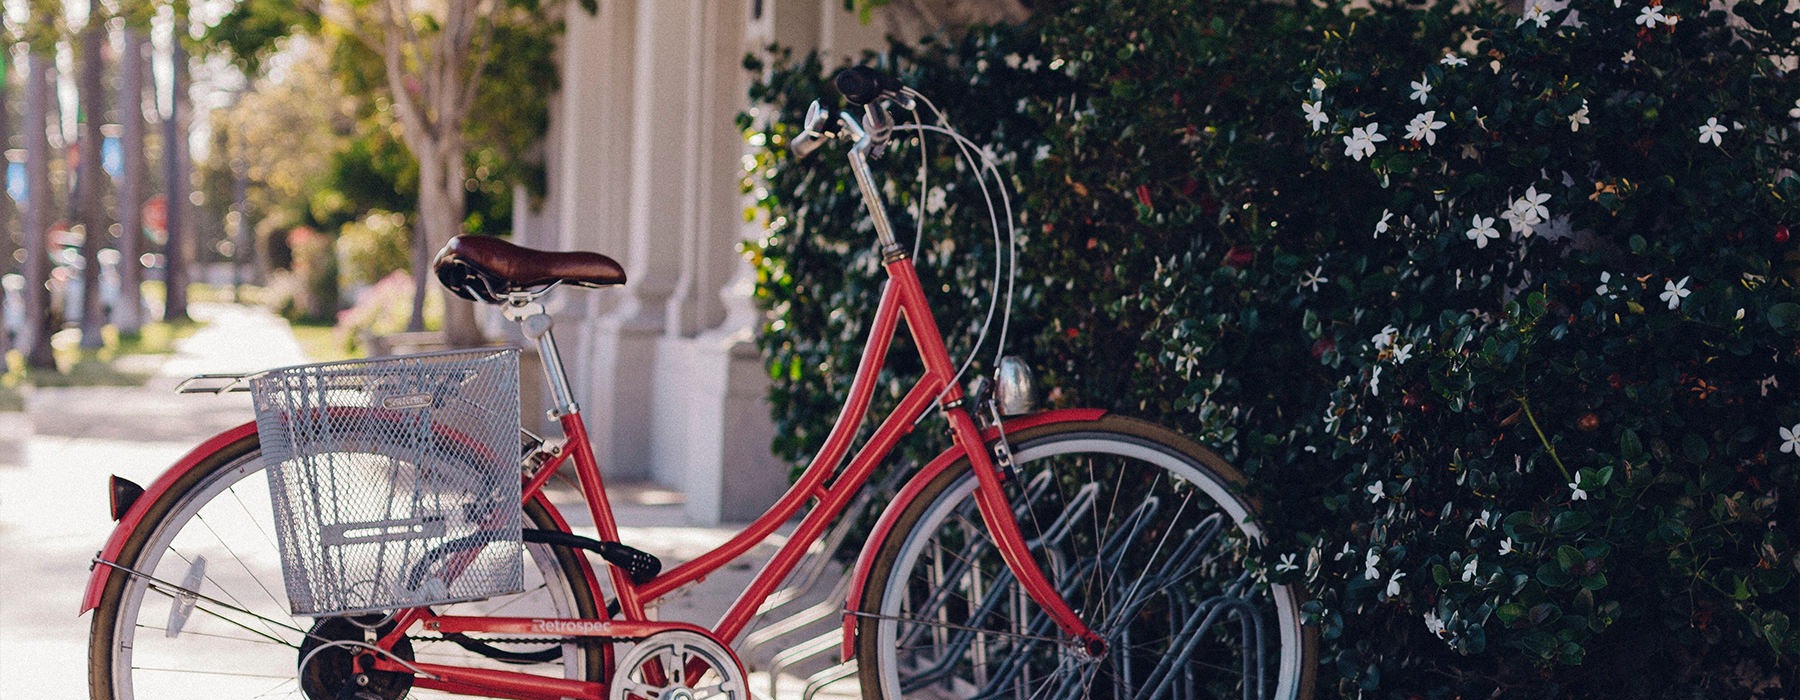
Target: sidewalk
(56,457)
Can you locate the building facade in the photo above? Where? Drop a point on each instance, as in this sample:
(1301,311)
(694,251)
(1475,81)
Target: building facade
(645,163)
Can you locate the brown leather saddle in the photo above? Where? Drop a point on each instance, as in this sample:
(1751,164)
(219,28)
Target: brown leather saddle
(485,268)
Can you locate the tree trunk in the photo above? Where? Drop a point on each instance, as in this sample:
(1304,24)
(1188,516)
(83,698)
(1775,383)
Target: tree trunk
(9,211)
(91,176)
(38,203)
(128,312)
(442,202)
(175,168)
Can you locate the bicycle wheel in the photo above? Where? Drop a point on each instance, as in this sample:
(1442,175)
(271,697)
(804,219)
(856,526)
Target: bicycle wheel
(1144,535)
(198,607)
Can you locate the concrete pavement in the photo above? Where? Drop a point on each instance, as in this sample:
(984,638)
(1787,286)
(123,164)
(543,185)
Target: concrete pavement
(56,456)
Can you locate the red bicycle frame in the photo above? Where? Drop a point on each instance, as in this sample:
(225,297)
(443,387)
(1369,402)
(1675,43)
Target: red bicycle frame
(903,298)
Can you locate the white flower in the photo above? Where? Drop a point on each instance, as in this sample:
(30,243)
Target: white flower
(1575,492)
(1468,572)
(1482,231)
(1421,89)
(1369,562)
(1393,587)
(1535,14)
(1579,117)
(1342,553)
(1711,130)
(1318,84)
(1361,141)
(1385,338)
(1674,292)
(1032,63)
(1451,59)
(1287,563)
(1375,381)
(1519,219)
(1402,354)
(1795,112)
(1381,226)
(1013,60)
(1532,202)
(1424,127)
(1434,625)
(934,200)
(1377,491)
(1629,57)
(1606,289)
(1312,280)
(1506,546)
(1769,382)
(1650,16)
(1315,115)
(1790,439)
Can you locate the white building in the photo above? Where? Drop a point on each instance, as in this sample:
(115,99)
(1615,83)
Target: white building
(645,164)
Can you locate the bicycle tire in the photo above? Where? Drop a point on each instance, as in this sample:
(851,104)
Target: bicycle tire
(942,617)
(240,640)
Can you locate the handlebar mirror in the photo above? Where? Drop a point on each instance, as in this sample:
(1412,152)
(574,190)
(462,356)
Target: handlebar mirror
(821,125)
(820,120)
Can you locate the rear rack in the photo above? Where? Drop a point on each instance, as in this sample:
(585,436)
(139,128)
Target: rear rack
(217,383)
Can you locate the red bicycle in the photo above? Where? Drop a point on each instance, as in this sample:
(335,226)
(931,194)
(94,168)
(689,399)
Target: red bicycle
(1067,553)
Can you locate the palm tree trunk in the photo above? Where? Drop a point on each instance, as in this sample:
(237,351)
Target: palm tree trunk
(91,175)
(9,211)
(128,312)
(175,167)
(38,203)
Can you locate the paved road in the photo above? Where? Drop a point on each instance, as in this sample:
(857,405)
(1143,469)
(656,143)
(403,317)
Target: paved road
(54,463)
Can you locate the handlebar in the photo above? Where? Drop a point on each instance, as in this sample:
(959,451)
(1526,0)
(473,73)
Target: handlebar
(862,85)
(872,90)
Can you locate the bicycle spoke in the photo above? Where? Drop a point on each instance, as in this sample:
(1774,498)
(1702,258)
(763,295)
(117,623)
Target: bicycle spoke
(1147,558)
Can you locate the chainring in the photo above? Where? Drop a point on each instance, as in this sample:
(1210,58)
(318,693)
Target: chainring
(333,657)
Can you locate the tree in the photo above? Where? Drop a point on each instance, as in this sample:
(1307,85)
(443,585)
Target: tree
(433,65)
(8,212)
(91,177)
(176,168)
(127,312)
(40,37)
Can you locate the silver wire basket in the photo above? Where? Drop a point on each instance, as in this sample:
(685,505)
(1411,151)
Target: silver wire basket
(395,481)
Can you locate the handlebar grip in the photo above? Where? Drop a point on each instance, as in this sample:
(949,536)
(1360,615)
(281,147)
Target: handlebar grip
(861,85)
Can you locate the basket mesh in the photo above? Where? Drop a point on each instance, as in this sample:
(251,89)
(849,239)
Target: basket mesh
(395,480)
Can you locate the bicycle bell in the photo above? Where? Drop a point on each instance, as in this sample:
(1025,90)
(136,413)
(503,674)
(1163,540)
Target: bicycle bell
(1014,390)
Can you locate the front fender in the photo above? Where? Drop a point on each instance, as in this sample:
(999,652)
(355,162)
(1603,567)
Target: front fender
(101,572)
(865,560)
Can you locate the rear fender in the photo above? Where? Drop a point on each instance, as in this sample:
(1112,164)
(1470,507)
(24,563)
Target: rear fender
(101,572)
(865,560)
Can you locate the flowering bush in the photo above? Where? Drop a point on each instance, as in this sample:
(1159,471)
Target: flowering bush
(1496,309)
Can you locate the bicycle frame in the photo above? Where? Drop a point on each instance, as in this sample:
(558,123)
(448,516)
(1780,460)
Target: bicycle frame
(903,298)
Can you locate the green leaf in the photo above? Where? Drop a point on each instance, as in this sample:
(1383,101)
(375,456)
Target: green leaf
(1784,316)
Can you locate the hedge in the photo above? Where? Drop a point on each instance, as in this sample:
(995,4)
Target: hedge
(1497,309)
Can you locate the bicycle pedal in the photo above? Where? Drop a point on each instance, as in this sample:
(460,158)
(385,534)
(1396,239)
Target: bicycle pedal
(640,566)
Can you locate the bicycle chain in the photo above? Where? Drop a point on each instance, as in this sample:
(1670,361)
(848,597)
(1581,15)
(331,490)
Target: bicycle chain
(517,640)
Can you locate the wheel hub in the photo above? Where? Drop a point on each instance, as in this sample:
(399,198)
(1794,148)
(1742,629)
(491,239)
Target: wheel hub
(336,661)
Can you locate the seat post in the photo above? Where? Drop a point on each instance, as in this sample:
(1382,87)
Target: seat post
(522,308)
